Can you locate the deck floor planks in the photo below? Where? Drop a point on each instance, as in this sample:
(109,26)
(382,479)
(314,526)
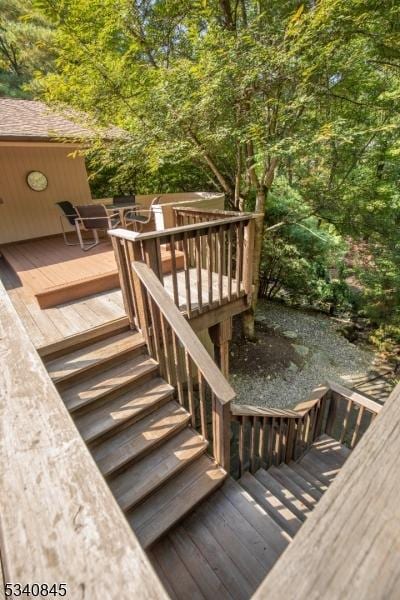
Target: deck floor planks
(49,325)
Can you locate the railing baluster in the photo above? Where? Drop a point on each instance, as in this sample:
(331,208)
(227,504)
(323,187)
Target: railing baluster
(262,442)
(189,382)
(186,265)
(360,415)
(346,421)
(253,444)
(242,444)
(178,368)
(167,350)
(198,272)
(203,406)
(210,262)
(229,265)
(220,242)
(174,271)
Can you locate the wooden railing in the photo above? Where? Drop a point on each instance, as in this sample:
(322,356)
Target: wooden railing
(209,263)
(188,215)
(270,436)
(184,362)
(59,522)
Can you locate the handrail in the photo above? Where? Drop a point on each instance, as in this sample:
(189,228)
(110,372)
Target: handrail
(175,231)
(184,361)
(193,211)
(270,436)
(205,265)
(356,397)
(217,382)
(53,498)
(347,547)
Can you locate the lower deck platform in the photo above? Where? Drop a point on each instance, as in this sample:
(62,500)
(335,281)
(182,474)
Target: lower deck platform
(55,273)
(49,325)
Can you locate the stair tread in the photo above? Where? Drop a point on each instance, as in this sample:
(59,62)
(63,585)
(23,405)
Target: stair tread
(140,479)
(285,479)
(129,406)
(304,472)
(90,356)
(331,451)
(308,488)
(200,569)
(241,542)
(175,499)
(173,573)
(100,385)
(318,468)
(139,438)
(256,515)
(296,506)
(273,506)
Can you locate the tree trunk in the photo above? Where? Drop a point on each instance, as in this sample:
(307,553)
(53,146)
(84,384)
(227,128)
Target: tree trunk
(248,325)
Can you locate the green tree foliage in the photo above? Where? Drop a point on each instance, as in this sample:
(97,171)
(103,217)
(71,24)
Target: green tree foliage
(233,93)
(25,46)
(303,258)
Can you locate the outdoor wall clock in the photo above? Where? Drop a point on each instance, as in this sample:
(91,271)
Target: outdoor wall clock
(37,181)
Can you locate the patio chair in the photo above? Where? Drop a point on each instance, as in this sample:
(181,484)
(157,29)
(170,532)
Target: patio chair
(92,217)
(138,220)
(68,214)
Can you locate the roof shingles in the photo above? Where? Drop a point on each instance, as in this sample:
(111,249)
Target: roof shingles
(32,120)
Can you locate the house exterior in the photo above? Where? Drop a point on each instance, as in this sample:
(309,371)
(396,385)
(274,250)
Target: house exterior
(35,139)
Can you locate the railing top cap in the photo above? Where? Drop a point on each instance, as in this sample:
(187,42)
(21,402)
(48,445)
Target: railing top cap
(135,237)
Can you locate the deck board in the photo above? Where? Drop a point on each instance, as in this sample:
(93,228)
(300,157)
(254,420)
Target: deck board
(40,264)
(49,325)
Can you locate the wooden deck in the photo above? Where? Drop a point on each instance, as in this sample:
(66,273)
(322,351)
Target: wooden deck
(54,273)
(45,326)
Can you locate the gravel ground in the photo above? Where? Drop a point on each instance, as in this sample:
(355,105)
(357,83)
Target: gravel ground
(322,353)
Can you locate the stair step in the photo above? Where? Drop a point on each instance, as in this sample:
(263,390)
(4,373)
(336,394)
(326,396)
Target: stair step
(109,383)
(224,560)
(271,504)
(307,487)
(141,479)
(125,409)
(238,538)
(305,473)
(90,358)
(173,573)
(319,469)
(175,499)
(199,568)
(332,452)
(297,507)
(132,443)
(84,338)
(256,515)
(286,479)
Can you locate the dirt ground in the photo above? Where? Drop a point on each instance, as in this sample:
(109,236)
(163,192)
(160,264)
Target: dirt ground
(295,352)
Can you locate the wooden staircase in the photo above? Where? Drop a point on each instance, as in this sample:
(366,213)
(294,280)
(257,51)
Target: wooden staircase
(228,544)
(139,402)
(140,437)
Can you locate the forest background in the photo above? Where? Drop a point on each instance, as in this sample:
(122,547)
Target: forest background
(291,108)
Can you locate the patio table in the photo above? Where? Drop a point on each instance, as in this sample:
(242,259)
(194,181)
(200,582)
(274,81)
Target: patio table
(122,208)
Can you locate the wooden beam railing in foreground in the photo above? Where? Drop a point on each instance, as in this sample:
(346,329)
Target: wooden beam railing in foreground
(349,546)
(184,362)
(270,436)
(59,522)
(210,262)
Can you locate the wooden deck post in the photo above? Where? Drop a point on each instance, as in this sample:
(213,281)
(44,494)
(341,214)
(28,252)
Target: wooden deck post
(121,257)
(221,335)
